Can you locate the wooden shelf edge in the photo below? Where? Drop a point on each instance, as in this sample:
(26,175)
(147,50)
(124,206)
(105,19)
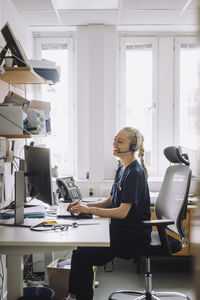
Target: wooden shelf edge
(17,69)
(16,136)
(24,136)
(21,75)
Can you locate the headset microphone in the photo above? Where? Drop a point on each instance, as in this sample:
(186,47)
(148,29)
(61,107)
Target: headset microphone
(132,148)
(125,151)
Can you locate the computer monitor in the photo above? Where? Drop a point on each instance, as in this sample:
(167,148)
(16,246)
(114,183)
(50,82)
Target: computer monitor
(38,173)
(19,57)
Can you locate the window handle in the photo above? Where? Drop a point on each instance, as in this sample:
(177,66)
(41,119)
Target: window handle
(153,106)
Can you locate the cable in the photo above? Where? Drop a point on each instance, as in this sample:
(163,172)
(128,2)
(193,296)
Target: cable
(15,164)
(15,124)
(20,152)
(2,278)
(66,254)
(29,275)
(13,203)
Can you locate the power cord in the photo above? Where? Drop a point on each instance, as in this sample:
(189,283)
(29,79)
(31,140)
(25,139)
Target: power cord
(11,206)
(29,275)
(2,278)
(67,253)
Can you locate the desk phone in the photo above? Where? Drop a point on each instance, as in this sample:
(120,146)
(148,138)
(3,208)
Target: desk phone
(68,189)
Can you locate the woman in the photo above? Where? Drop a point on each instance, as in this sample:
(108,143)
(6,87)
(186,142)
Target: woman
(127,206)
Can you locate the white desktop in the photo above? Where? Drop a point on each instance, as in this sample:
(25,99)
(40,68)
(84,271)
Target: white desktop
(18,241)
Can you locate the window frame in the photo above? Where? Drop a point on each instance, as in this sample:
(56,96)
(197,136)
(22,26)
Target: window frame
(124,40)
(177,46)
(39,41)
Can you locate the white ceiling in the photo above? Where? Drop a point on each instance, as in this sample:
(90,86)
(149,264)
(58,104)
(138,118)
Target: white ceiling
(59,13)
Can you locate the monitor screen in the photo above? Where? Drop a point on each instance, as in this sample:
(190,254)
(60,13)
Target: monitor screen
(38,173)
(19,57)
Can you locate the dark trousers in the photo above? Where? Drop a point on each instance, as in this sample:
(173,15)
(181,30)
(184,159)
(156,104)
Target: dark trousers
(83,260)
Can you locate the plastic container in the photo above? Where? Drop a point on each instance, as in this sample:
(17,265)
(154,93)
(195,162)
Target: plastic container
(37,293)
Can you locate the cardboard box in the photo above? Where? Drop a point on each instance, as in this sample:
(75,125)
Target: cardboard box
(11,120)
(58,278)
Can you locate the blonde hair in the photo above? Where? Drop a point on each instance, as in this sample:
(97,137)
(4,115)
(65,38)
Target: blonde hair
(137,139)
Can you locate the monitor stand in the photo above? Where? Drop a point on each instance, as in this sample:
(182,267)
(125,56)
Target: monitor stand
(19,197)
(3,53)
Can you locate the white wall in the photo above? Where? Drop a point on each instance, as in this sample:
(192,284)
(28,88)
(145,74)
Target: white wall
(96,100)
(166,98)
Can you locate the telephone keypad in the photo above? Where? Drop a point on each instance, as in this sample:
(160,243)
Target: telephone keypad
(74,193)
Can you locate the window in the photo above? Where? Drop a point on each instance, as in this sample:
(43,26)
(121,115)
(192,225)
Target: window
(159,94)
(60,95)
(188,93)
(138,63)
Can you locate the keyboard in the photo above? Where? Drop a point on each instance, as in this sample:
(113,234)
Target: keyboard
(62,212)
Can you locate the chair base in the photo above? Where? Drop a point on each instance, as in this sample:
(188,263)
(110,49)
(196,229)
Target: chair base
(148,295)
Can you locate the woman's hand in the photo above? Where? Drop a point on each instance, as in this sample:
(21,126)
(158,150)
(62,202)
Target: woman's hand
(101,209)
(78,207)
(71,205)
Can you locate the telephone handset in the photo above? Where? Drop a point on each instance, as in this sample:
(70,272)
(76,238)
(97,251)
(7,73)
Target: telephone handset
(68,189)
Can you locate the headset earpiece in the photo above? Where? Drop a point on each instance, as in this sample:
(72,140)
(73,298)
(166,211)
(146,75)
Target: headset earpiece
(133,147)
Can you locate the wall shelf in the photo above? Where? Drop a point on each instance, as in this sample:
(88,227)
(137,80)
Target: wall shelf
(25,136)
(16,136)
(21,75)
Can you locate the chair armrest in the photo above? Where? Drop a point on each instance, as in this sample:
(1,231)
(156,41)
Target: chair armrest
(158,223)
(161,225)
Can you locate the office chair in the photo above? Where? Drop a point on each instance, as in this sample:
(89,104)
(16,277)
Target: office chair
(170,210)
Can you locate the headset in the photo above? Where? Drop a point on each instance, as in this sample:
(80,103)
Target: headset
(132,147)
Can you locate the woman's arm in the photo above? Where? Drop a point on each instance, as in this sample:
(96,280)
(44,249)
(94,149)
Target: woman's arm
(117,213)
(102,203)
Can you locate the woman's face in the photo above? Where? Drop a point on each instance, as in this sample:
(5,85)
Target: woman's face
(121,143)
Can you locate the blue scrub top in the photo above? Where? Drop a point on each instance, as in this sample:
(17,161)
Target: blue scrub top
(130,186)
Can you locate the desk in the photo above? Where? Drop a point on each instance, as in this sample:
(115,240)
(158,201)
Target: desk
(17,241)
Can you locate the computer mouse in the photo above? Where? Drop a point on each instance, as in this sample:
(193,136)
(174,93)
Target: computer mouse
(84,216)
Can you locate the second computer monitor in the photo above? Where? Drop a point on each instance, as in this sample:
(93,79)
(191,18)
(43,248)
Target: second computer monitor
(38,173)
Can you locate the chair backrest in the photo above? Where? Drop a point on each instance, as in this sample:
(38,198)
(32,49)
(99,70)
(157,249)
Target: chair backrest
(173,197)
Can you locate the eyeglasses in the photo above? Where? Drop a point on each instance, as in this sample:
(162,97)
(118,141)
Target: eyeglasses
(51,227)
(64,227)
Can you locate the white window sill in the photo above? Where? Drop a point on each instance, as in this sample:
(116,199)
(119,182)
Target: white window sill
(103,187)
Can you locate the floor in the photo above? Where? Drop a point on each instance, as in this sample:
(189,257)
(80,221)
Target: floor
(169,274)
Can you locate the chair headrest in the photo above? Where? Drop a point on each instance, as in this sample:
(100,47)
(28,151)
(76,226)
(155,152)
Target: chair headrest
(174,155)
